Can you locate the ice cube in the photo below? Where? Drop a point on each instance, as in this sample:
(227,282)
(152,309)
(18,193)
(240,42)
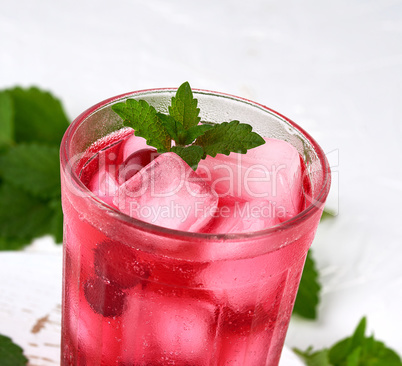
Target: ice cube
(168,193)
(270,172)
(251,349)
(173,330)
(106,151)
(234,216)
(104,185)
(244,284)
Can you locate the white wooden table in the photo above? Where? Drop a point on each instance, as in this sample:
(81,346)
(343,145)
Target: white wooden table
(30,303)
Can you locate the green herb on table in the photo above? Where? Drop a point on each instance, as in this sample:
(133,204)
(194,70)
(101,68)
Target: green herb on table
(32,123)
(308,295)
(10,353)
(192,141)
(327,214)
(307,298)
(357,350)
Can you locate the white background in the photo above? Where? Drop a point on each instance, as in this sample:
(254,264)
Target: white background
(334,67)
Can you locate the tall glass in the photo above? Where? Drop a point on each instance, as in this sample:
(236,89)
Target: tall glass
(196,299)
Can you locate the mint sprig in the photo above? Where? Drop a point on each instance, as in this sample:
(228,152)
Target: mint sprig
(192,141)
(307,298)
(356,350)
(32,123)
(10,353)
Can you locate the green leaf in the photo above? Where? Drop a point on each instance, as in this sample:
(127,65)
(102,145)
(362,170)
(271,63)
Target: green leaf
(228,137)
(22,216)
(319,358)
(342,349)
(12,244)
(190,154)
(358,335)
(184,107)
(307,298)
(10,353)
(143,118)
(173,128)
(39,116)
(361,350)
(353,358)
(34,168)
(194,132)
(176,130)
(375,353)
(6,120)
(327,214)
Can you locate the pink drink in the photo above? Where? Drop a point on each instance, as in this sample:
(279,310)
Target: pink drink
(216,286)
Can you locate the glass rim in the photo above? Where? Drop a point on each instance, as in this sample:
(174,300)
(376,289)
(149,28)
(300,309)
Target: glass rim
(318,198)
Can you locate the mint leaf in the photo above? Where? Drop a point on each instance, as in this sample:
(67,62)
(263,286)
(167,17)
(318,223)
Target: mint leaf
(228,137)
(342,349)
(307,298)
(184,107)
(39,116)
(319,358)
(34,168)
(32,123)
(195,132)
(22,216)
(12,244)
(361,350)
(10,353)
(375,353)
(143,118)
(173,128)
(182,126)
(190,154)
(181,136)
(6,120)
(354,358)
(358,335)
(327,214)
(357,350)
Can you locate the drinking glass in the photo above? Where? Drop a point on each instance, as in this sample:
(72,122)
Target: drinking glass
(181,298)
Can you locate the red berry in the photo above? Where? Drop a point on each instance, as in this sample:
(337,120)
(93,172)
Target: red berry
(135,162)
(104,298)
(118,264)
